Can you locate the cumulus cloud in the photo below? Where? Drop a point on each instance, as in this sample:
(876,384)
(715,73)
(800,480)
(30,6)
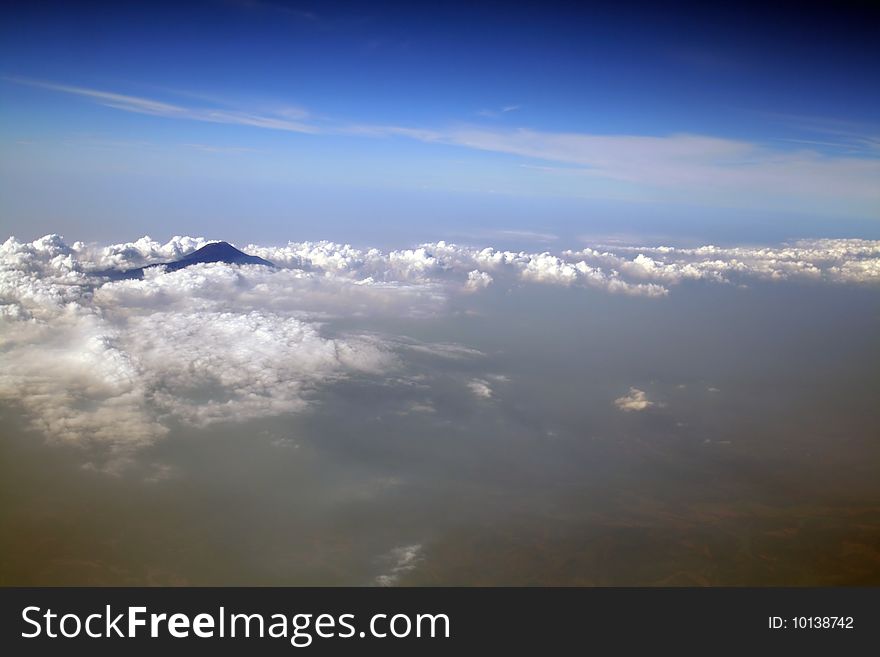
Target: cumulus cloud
(120,383)
(635,400)
(480,388)
(831,260)
(115,363)
(478,280)
(639,271)
(254,364)
(428,269)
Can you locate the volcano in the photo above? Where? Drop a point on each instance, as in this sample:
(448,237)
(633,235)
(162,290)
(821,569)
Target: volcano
(213,252)
(216,252)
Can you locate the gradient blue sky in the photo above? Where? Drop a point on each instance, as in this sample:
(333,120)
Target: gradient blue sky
(388,123)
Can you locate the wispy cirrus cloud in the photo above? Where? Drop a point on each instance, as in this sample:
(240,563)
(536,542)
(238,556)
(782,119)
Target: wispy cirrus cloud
(844,135)
(687,161)
(111,99)
(501,111)
(692,168)
(286,119)
(695,168)
(682,167)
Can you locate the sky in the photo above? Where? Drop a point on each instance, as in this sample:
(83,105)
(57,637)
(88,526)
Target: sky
(558,295)
(391,123)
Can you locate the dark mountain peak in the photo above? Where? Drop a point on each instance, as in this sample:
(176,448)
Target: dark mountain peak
(213,252)
(216,252)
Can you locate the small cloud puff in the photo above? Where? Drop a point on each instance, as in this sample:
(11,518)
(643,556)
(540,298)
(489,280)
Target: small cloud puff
(403,559)
(635,400)
(477,280)
(480,388)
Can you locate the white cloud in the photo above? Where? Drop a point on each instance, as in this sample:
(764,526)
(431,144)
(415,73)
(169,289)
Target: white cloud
(697,167)
(635,400)
(419,407)
(290,119)
(495,113)
(478,280)
(679,167)
(439,349)
(118,381)
(253,364)
(84,356)
(115,365)
(836,260)
(404,559)
(480,388)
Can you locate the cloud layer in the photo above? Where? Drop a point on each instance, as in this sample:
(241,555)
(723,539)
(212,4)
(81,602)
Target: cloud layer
(115,364)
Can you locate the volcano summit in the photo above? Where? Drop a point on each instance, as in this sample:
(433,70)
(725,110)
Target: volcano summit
(213,252)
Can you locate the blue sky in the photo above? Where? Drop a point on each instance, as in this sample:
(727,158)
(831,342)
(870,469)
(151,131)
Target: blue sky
(379,122)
